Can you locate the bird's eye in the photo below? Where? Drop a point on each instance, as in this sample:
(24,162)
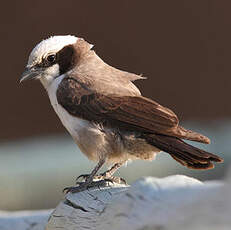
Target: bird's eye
(51,58)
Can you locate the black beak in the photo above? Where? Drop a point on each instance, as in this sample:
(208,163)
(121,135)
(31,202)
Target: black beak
(29,74)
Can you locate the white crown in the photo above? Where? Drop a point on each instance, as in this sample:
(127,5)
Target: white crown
(49,46)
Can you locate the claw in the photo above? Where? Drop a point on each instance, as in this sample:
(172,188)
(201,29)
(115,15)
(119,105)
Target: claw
(79,183)
(66,190)
(82,186)
(83,176)
(123,180)
(117,180)
(109,180)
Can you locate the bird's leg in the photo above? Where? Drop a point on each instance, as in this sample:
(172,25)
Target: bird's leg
(88,181)
(112,170)
(108,175)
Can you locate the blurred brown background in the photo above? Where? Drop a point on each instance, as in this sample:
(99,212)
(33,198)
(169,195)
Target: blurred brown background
(182,46)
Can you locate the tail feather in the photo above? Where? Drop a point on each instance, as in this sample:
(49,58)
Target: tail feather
(182,152)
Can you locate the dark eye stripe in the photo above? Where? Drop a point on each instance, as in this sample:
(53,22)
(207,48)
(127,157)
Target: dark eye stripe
(66,58)
(48,61)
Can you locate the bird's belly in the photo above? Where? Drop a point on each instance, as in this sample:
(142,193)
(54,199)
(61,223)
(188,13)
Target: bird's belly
(98,142)
(82,131)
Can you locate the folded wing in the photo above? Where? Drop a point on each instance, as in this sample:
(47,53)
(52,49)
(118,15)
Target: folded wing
(127,112)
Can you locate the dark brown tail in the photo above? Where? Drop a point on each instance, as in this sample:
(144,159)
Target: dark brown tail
(182,152)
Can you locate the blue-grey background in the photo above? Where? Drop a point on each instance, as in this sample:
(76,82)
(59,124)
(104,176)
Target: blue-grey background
(183,48)
(35,170)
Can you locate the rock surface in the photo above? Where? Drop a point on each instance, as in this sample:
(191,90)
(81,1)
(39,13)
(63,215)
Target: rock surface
(24,220)
(175,202)
(150,203)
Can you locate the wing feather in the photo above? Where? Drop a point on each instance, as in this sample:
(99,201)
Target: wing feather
(128,112)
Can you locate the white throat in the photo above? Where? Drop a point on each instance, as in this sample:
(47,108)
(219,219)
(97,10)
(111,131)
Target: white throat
(49,76)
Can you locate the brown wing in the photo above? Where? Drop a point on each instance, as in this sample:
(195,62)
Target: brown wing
(128,112)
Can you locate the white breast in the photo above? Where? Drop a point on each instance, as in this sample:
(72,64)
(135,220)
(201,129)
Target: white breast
(71,123)
(86,135)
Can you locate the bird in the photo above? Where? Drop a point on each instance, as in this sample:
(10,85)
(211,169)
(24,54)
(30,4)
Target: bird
(105,113)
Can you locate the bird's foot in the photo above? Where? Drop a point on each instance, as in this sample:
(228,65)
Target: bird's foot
(112,179)
(82,186)
(83,177)
(102,177)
